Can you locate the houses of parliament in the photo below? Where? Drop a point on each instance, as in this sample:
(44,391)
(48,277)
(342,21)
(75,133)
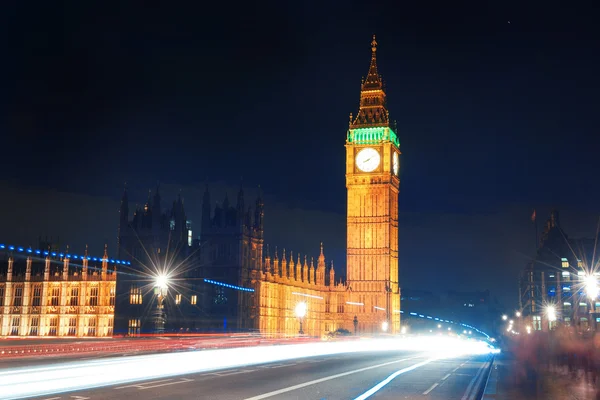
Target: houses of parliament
(229,279)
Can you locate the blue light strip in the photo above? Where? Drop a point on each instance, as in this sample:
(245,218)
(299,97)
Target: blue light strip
(414,314)
(227,285)
(61,255)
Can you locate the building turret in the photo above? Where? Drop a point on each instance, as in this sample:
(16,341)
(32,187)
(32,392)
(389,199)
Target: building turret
(47,263)
(305,271)
(298,269)
(84,264)
(291,266)
(28,269)
(321,268)
(284,266)
(259,215)
(206,215)
(105,262)
(311,271)
(276,267)
(9,272)
(267,267)
(65,273)
(331,275)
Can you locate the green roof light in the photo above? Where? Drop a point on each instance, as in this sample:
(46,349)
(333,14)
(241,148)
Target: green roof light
(372,136)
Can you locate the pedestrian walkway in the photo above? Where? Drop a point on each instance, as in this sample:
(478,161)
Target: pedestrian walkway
(511,380)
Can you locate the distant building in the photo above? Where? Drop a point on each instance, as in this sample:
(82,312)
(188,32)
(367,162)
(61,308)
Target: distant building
(55,293)
(158,243)
(552,289)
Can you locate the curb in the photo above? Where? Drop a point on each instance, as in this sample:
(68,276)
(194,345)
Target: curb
(487,391)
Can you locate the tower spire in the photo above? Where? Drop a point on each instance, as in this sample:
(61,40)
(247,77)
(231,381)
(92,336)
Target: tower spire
(373,111)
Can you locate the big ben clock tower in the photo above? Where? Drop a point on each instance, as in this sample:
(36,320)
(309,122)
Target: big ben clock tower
(372,180)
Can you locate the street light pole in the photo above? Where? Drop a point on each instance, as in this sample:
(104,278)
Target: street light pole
(300,313)
(160,290)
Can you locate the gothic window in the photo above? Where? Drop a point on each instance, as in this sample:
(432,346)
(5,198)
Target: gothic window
(55,298)
(37,296)
(72,326)
(34,327)
(74,299)
(91,326)
(16,322)
(1,296)
(18,297)
(178,299)
(194,300)
(94,296)
(134,327)
(219,297)
(135,295)
(53,326)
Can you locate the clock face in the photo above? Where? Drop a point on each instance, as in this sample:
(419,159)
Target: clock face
(367,160)
(395,164)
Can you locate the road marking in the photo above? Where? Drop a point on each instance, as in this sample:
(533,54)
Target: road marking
(183,380)
(137,385)
(327,378)
(431,388)
(234,372)
(446,377)
(387,380)
(80,398)
(52,398)
(468,395)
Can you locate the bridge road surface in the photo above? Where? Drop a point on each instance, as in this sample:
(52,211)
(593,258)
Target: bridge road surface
(372,375)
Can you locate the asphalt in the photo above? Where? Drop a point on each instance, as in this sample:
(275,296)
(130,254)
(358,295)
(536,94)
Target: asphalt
(373,375)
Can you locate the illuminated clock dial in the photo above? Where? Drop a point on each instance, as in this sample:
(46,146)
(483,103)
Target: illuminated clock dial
(367,160)
(395,164)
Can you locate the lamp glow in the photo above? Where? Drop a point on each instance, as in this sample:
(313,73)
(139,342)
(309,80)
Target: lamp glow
(300,309)
(162,281)
(384,326)
(591,286)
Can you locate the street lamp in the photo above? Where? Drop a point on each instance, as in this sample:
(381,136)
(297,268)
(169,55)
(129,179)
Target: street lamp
(518,314)
(504,317)
(551,312)
(591,289)
(384,326)
(300,313)
(161,285)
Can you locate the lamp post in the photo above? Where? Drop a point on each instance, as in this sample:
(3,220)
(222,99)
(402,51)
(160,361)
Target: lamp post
(591,289)
(300,313)
(161,285)
(355,322)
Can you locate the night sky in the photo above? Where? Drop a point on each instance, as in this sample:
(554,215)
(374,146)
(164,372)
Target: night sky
(496,104)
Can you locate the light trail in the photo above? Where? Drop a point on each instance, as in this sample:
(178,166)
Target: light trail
(46,380)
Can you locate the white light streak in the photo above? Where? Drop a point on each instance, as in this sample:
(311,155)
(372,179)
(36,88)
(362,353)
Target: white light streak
(307,295)
(85,374)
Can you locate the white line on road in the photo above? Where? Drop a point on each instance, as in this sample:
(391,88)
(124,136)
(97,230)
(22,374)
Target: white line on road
(387,380)
(446,377)
(431,388)
(327,378)
(52,398)
(183,380)
(468,395)
(137,385)
(235,372)
(80,398)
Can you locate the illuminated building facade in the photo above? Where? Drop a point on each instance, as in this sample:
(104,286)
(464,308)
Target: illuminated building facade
(242,287)
(53,293)
(556,279)
(372,180)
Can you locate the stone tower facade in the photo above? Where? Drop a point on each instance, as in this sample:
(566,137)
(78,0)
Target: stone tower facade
(372,180)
